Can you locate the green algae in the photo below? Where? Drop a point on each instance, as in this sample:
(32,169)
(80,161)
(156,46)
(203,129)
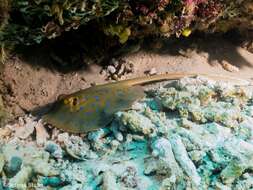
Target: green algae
(120,31)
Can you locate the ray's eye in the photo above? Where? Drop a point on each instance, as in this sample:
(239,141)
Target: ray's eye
(74,101)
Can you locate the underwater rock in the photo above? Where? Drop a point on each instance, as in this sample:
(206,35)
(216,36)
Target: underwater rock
(116,132)
(235,156)
(13,165)
(41,134)
(129,178)
(54,149)
(151,167)
(228,67)
(217,134)
(249,111)
(234,146)
(25,128)
(55,133)
(137,123)
(245,183)
(72,173)
(196,155)
(162,149)
(20,180)
(5,132)
(183,159)
(97,135)
(246,128)
(52,181)
(63,137)
(221,186)
(78,149)
(118,68)
(200,105)
(168,183)
(158,119)
(111,69)
(233,170)
(98,141)
(192,138)
(109,181)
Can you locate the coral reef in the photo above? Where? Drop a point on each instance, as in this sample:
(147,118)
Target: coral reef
(189,134)
(29,22)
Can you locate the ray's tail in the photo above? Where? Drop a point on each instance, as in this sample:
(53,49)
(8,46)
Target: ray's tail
(176,76)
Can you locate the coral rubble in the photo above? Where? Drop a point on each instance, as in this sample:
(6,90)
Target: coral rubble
(192,134)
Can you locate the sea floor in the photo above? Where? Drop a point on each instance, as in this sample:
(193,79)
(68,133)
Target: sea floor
(30,81)
(194,133)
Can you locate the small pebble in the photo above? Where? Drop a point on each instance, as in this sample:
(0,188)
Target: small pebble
(115,77)
(121,70)
(5,132)
(129,67)
(14,165)
(41,134)
(228,67)
(63,137)
(54,149)
(111,69)
(24,132)
(52,181)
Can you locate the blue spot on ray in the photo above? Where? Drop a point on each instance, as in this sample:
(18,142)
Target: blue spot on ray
(93,104)
(88,113)
(107,104)
(96,98)
(97,109)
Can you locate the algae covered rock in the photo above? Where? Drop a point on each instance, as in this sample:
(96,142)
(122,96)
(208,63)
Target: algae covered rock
(29,22)
(22,163)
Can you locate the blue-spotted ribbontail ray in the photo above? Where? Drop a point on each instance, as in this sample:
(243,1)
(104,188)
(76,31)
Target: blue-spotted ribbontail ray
(94,107)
